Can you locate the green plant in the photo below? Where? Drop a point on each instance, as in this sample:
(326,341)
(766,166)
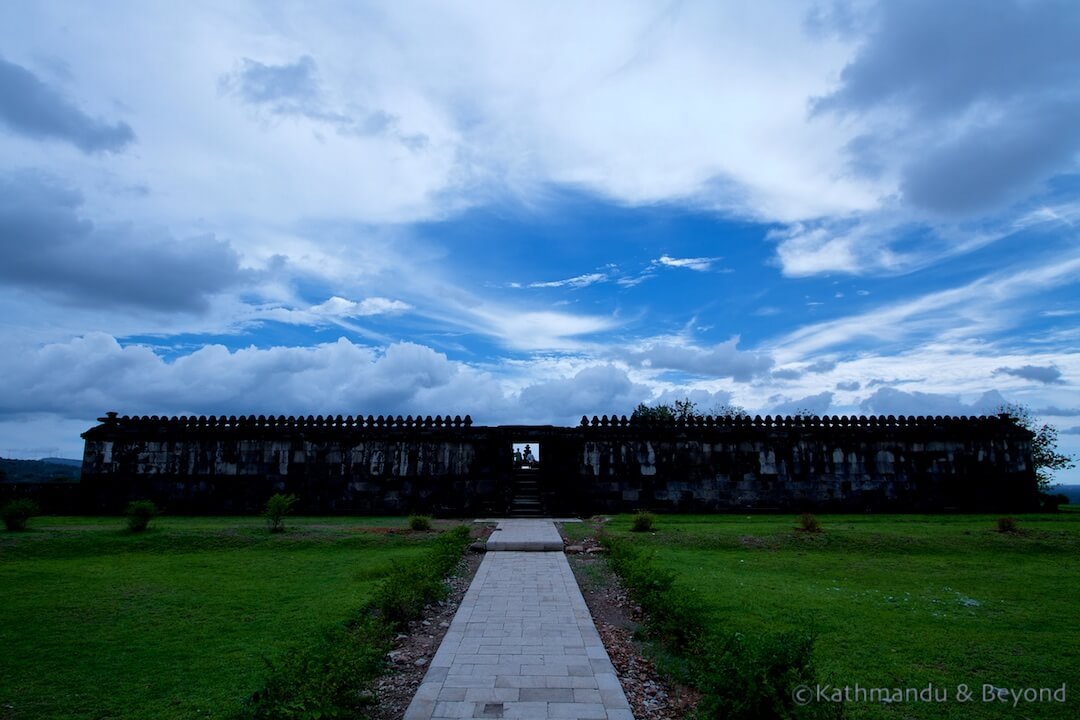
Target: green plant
(740,677)
(1007,525)
(139,514)
(644,521)
(277,507)
(419,522)
(17,512)
(323,680)
(808,522)
(1044,453)
(743,678)
(402,596)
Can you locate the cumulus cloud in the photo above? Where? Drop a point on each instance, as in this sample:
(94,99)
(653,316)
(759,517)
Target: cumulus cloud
(1071,431)
(705,401)
(48,246)
(850,385)
(722,360)
(35,110)
(890,401)
(88,375)
(335,308)
(811,404)
(974,108)
(1046,374)
(596,390)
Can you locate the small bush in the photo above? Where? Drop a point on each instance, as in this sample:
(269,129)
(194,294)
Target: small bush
(1007,525)
(743,678)
(644,521)
(17,512)
(139,514)
(325,679)
(1052,503)
(411,586)
(809,523)
(740,678)
(322,680)
(419,522)
(277,507)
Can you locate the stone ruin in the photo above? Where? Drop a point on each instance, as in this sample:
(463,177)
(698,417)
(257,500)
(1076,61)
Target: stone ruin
(448,466)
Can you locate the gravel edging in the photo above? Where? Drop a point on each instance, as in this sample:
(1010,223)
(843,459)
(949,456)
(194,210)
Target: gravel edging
(408,660)
(618,619)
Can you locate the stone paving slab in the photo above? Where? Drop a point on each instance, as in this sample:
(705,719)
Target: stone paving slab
(525,535)
(522,645)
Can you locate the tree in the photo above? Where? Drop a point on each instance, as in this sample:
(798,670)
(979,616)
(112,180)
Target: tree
(659,414)
(728,411)
(1044,453)
(681,411)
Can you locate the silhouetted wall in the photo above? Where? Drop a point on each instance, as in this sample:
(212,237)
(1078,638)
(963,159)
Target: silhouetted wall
(451,467)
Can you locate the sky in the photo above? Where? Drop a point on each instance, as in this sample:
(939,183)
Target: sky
(532,211)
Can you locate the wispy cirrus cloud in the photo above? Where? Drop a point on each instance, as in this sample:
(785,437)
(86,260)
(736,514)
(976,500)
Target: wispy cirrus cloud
(578,281)
(700,264)
(978,307)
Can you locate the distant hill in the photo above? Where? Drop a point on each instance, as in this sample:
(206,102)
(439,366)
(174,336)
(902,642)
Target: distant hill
(50,470)
(1070,491)
(63,461)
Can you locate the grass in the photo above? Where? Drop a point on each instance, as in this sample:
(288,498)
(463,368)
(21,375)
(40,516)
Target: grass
(896,600)
(174,622)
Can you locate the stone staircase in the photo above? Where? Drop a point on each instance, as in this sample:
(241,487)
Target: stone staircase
(527,501)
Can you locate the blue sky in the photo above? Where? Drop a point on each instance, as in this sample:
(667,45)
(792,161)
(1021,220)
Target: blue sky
(533,211)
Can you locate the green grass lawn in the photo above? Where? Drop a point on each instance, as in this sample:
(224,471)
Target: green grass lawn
(174,623)
(898,600)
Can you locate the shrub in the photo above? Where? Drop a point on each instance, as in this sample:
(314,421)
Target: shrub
(741,678)
(139,514)
(277,507)
(1007,525)
(324,680)
(644,521)
(411,586)
(1052,503)
(809,523)
(419,522)
(17,512)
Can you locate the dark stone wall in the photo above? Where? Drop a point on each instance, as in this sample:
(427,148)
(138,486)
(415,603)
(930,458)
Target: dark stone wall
(450,467)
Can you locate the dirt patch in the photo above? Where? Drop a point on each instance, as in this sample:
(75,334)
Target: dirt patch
(407,662)
(618,619)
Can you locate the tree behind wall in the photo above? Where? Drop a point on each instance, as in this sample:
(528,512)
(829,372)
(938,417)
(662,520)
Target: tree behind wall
(1044,453)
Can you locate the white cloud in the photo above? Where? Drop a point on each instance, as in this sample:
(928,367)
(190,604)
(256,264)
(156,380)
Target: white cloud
(718,361)
(334,309)
(811,404)
(982,306)
(701,264)
(890,401)
(574,282)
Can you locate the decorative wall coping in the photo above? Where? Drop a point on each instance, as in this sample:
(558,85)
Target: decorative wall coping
(115,423)
(801,421)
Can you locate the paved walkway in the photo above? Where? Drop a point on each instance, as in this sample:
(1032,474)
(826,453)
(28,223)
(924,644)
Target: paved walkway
(535,535)
(522,644)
